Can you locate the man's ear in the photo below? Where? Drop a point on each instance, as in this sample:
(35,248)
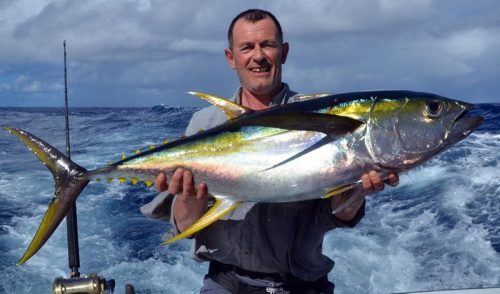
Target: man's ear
(284,52)
(230,58)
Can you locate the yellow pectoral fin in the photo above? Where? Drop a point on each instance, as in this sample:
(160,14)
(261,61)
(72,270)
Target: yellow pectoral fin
(220,208)
(341,189)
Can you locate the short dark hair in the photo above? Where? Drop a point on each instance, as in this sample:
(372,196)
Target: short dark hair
(253,16)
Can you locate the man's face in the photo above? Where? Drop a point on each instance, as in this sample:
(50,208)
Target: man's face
(257,55)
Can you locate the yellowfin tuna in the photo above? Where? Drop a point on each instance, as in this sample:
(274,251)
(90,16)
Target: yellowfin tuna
(304,150)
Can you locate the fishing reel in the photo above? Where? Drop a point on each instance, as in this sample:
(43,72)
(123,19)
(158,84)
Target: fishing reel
(91,284)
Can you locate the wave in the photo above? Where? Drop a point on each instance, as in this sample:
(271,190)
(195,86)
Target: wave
(440,228)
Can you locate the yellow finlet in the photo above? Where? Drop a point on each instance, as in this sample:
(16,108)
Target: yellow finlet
(134,181)
(122,180)
(109,180)
(124,156)
(148,183)
(221,207)
(137,152)
(151,147)
(165,142)
(230,109)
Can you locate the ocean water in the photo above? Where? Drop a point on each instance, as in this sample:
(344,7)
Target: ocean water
(440,228)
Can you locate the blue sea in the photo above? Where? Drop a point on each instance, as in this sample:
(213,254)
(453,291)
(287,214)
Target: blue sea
(440,228)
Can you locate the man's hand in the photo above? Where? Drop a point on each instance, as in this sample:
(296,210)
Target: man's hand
(371,182)
(188,207)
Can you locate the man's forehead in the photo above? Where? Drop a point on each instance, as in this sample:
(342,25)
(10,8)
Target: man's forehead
(245,30)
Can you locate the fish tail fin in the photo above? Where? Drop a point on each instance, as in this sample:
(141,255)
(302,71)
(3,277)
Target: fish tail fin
(218,210)
(70,179)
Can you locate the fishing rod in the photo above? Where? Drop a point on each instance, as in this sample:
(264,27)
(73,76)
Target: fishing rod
(71,220)
(93,283)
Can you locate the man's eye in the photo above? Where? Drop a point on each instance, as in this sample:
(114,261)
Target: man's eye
(269,45)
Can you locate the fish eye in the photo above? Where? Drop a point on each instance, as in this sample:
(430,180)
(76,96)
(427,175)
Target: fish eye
(433,108)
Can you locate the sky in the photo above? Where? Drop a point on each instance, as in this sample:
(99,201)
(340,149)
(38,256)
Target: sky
(132,53)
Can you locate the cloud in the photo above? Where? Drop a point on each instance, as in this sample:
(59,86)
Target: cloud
(4,87)
(140,52)
(27,84)
(327,19)
(471,43)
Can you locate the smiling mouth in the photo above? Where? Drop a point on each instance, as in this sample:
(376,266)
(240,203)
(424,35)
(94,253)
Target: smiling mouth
(260,69)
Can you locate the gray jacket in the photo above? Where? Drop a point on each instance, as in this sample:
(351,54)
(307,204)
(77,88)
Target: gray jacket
(284,238)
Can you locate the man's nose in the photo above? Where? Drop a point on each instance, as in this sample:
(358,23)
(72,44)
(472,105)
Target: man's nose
(259,54)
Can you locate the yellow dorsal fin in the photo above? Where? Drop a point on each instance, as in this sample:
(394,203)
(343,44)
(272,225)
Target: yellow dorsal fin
(221,207)
(148,183)
(137,152)
(231,109)
(124,156)
(134,181)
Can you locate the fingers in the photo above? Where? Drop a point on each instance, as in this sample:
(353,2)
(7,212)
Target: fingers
(182,183)
(202,191)
(372,181)
(393,179)
(187,184)
(176,182)
(161,182)
(367,184)
(376,180)
(188,207)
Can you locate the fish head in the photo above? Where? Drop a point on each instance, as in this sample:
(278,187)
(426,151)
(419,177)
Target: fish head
(404,131)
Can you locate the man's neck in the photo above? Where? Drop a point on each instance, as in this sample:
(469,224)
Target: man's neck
(257,102)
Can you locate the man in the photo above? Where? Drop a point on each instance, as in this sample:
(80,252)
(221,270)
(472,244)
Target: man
(259,248)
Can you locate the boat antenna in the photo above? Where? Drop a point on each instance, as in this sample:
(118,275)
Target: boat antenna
(71,221)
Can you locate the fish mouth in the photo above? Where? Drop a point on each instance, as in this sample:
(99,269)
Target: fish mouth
(464,124)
